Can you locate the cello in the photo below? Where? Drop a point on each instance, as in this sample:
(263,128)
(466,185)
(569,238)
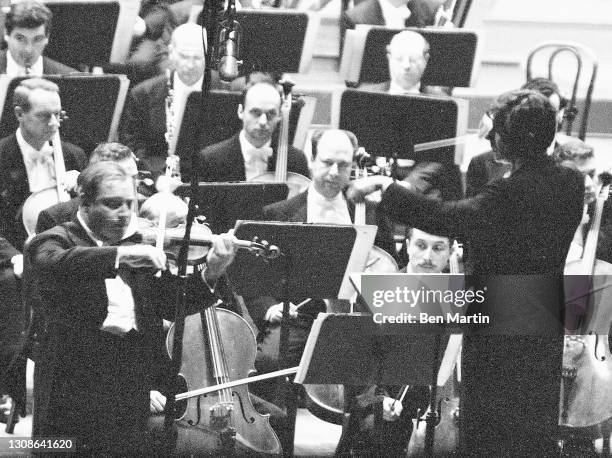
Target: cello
(447,407)
(218,346)
(586,401)
(295,182)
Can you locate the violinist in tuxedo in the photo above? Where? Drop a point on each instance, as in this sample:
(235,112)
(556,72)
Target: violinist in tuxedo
(520,230)
(250,152)
(145,120)
(105,305)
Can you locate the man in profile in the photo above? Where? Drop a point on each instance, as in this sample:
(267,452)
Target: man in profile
(27,26)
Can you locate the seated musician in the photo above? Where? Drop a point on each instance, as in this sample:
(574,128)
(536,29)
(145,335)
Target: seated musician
(26,33)
(407,55)
(146,118)
(66,211)
(94,373)
(484,168)
(381,425)
(26,157)
(333,153)
(250,152)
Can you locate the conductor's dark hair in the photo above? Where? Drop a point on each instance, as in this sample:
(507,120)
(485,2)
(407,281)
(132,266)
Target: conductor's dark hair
(546,87)
(316,137)
(526,123)
(28,15)
(90,180)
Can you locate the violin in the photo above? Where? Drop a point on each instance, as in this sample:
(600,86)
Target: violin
(295,182)
(199,244)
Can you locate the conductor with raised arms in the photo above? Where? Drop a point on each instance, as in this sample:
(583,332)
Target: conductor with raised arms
(519,231)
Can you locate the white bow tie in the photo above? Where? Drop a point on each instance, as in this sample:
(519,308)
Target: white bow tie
(42,156)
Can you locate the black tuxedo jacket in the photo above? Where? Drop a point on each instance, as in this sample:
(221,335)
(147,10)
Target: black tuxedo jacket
(483,169)
(143,125)
(70,271)
(59,213)
(50,66)
(223,161)
(15,188)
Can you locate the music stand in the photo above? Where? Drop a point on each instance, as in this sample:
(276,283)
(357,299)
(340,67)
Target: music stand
(86,33)
(93,104)
(452,55)
(407,120)
(219,121)
(292,275)
(225,203)
(289,33)
(351,349)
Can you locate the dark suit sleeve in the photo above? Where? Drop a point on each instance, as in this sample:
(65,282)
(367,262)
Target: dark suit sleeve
(476,176)
(54,255)
(298,163)
(451,219)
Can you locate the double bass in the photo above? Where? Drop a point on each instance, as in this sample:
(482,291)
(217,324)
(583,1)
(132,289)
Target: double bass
(586,400)
(295,182)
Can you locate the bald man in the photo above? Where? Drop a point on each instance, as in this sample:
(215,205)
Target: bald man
(407,55)
(144,123)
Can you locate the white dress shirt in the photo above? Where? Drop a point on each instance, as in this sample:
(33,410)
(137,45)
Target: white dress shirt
(181,93)
(396,89)
(39,164)
(121,311)
(320,209)
(255,159)
(395,17)
(14,69)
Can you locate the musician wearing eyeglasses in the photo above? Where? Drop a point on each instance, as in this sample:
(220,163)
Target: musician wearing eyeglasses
(249,153)
(27,163)
(105,307)
(521,226)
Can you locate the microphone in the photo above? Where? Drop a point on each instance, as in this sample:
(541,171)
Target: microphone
(228,49)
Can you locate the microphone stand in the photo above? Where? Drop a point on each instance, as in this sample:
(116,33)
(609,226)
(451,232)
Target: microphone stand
(210,21)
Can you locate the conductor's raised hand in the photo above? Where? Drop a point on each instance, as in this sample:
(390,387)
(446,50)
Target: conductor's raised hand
(141,257)
(359,189)
(220,256)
